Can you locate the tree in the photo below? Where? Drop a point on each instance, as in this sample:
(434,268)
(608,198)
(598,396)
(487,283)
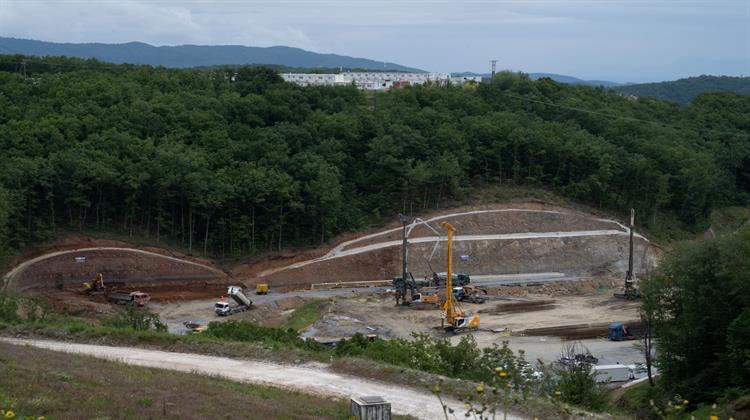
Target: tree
(700,305)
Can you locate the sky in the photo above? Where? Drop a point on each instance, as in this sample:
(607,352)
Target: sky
(622,41)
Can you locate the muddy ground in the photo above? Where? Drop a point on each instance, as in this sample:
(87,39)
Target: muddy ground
(373,311)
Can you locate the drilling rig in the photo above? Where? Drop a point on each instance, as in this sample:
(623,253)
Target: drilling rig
(453,317)
(630,289)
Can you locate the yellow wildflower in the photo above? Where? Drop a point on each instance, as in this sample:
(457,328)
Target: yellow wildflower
(480,388)
(503,374)
(714,417)
(558,393)
(9,414)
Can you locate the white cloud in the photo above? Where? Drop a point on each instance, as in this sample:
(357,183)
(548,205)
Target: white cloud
(615,39)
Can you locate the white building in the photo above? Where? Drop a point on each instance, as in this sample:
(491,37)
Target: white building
(375,80)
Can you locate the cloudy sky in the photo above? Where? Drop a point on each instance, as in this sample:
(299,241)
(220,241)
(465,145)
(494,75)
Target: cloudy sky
(623,41)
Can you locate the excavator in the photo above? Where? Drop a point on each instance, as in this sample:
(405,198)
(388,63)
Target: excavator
(454,318)
(96,286)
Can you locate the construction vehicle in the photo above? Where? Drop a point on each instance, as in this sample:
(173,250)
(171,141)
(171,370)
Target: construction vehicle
(409,287)
(424,298)
(261,289)
(194,327)
(619,332)
(129,298)
(453,317)
(630,289)
(458,279)
(96,287)
(224,308)
(469,293)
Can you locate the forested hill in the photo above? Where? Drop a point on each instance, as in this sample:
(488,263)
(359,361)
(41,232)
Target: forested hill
(683,91)
(193,55)
(241,165)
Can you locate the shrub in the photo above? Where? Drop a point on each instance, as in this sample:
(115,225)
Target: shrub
(135,318)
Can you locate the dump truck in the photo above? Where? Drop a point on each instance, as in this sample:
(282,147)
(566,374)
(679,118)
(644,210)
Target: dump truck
(243,303)
(129,298)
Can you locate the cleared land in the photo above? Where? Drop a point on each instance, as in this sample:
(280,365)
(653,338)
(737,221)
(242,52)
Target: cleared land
(561,265)
(42,382)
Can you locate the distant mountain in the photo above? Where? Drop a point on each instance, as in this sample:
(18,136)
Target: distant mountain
(193,55)
(683,91)
(573,80)
(561,78)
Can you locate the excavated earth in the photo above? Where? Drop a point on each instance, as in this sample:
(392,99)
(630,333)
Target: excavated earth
(502,239)
(64,266)
(507,239)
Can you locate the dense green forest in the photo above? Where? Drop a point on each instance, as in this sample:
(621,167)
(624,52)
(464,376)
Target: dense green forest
(240,162)
(683,91)
(698,304)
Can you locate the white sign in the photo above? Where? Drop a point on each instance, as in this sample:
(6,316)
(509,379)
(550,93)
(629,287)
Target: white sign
(464,258)
(80,260)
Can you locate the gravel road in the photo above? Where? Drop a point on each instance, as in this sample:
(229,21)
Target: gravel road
(311,378)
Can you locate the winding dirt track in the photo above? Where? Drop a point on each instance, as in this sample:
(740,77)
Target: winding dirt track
(342,249)
(310,378)
(8,278)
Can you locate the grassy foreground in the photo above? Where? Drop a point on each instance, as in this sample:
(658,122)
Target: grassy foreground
(38,382)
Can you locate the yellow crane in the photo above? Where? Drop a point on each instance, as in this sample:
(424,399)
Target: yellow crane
(453,316)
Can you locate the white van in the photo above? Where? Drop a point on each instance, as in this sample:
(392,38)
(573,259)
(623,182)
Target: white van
(614,373)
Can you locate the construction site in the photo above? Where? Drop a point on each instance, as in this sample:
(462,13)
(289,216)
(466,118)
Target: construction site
(532,274)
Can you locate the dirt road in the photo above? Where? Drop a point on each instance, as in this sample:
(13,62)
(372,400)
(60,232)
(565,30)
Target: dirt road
(312,378)
(345,248)
(8,278)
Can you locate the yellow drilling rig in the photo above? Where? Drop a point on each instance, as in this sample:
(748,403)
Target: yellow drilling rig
(453,317)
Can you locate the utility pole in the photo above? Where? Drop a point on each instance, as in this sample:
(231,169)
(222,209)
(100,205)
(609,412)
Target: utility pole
(404,255)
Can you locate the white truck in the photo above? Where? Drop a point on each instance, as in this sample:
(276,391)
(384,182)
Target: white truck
(243,303)
(614,373)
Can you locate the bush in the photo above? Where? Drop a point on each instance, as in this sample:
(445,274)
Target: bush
(9,308)
(15,308)
(576,381)
(249,332)
(135,318)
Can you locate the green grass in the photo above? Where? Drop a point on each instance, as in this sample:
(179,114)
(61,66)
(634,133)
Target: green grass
(306,315)
(39,382)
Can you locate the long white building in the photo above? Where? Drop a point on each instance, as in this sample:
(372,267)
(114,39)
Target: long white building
(376,80)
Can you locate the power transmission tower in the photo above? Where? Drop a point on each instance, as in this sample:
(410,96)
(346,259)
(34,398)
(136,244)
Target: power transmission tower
(494,66)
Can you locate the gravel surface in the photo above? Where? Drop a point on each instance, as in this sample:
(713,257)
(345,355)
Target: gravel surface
(312,378)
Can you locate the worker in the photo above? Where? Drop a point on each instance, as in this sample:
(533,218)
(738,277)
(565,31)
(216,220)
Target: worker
(436,279)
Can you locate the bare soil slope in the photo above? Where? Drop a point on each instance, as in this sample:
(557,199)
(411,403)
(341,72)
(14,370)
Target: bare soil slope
(501,239)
